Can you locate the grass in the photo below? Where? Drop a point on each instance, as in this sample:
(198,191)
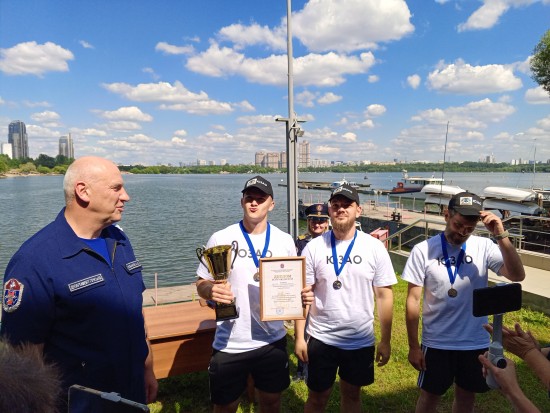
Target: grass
(394,389)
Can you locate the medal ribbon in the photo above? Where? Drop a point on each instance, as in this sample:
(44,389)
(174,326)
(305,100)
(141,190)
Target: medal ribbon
(337,269)
(452,277)
(251,247)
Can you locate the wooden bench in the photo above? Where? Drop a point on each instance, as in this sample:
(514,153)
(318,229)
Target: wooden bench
(181,337)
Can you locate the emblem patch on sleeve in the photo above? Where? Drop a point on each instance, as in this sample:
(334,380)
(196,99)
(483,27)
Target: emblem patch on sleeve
(13,294)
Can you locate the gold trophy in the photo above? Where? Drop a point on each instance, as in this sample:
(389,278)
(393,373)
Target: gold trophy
(219,264)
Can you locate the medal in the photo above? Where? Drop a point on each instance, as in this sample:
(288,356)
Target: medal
(256,276)
(452,275)
(338,269)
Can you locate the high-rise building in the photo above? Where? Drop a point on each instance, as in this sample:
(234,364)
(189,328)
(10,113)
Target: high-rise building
(66,147)
(6,149)
(304,155)
(17,136)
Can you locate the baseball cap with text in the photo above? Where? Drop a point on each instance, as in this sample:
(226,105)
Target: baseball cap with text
(466,203)
(260,183)
(346,190)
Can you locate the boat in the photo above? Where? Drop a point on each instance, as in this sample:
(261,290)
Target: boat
(513,207)
(510,194)
(343,181)
(411,186)
(443,190)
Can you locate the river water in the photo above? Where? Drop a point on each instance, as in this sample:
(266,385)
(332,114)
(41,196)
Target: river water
(169,216)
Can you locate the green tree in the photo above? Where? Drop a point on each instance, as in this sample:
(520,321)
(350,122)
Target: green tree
(27,168)
(43,170)
(540,63)
(4,163)
(45,160)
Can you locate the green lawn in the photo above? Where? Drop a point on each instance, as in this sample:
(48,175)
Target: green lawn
(394,389)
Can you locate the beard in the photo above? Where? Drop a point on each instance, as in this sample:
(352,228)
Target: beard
(343,227)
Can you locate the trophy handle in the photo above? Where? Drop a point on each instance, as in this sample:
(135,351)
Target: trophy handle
(235,246)
(199,252)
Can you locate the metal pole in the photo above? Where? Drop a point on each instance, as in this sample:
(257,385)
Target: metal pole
(291,137)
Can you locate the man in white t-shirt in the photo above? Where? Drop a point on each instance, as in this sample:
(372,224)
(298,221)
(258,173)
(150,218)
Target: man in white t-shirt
(246,345)
(343,267)
(449,267)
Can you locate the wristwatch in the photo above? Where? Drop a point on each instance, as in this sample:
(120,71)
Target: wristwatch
(502,235)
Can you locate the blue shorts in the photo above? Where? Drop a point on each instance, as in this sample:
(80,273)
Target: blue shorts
(445,367)
(228,372)
(356,367)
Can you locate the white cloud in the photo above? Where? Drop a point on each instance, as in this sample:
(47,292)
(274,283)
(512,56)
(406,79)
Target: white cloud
(375,110)
(172,97)
(489,13)
(123,125)
(180,132)
(45,116)
(349,137)
(537,96)
(174,50)
(325,25)
(313,69)
(131,113)
(42,104)
(30,58)
(85,44)
(373,78)
(413,81)
(306,98)
(462,78)
(152,72)
(329,98)
(254,34)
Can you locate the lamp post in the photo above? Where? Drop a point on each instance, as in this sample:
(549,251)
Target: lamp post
(293,131)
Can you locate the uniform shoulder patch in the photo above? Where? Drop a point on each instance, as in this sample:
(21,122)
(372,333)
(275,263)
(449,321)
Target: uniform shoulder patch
(12,295)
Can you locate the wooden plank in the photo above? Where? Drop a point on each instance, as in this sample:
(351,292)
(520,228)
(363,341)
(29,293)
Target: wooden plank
(181,337)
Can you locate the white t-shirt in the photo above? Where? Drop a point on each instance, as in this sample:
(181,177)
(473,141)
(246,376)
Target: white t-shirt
(448,323)
(247,332)
(344,318)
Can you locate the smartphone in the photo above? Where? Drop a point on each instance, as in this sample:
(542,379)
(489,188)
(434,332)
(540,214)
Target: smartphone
(499,299)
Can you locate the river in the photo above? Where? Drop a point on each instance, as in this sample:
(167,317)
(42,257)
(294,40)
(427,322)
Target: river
(169,216)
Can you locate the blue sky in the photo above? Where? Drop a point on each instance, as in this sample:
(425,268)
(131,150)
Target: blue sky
(173,81)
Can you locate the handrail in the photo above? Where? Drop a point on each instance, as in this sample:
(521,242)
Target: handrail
(521,235)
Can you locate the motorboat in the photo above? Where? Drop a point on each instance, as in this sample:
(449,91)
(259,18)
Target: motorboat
(411,186)
(341,182)
(511,194)
(522,208)
(441,189)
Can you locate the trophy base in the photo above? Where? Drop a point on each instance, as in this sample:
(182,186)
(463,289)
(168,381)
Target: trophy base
(226,312)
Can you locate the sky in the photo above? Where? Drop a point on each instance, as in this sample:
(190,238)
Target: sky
(172,81)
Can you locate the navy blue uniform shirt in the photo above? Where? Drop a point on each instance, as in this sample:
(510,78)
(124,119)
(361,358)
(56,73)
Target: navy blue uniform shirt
(87,313)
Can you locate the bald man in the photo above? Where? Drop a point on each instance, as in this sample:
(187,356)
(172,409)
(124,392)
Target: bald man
(74,289)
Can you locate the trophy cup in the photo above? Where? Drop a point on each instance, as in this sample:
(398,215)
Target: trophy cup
(219,263)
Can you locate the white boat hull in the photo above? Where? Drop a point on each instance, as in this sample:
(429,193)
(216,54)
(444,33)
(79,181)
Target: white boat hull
(448,190)
(524,208)
(510,194)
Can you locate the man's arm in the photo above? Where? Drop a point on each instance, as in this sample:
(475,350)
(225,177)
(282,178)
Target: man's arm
(213,291)
(384,303)
(300,345)
(509,386)
(512,267)
(412,315)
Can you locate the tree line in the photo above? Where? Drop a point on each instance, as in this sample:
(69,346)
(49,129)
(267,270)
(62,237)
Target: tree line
(45,164)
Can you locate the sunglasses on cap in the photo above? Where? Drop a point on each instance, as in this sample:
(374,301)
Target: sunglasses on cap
(318,219)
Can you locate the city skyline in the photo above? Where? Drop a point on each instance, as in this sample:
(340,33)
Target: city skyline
(176,82)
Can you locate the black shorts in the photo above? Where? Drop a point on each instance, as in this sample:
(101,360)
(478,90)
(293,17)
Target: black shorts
(356,367)
(445,367)
(229,372)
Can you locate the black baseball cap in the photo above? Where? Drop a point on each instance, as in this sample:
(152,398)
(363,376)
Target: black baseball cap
(260,183)
(466,203)
(347,191)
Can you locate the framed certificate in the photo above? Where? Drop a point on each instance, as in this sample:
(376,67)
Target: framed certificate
(281,283)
